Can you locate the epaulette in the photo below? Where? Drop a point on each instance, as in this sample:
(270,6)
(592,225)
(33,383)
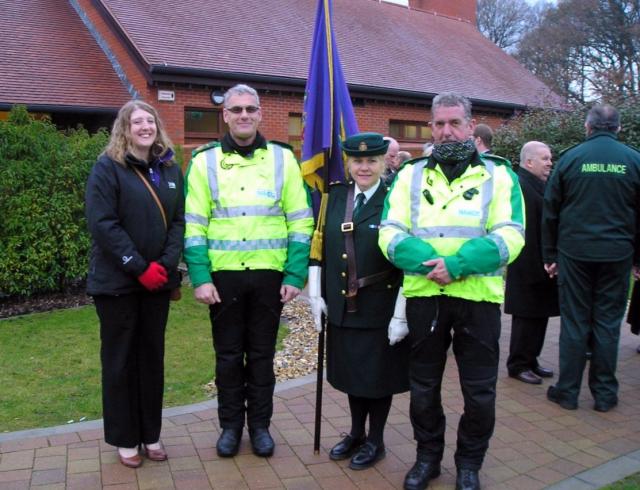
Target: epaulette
(283,145)
(563,151)
(206,146)
(498,160)
(633,148)
(338,182)
(411,161)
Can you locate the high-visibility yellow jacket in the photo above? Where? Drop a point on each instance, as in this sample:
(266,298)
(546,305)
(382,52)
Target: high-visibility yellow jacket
(247,213)
(476,223)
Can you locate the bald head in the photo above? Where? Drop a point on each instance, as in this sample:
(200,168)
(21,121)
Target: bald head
(391,159)
(535,157)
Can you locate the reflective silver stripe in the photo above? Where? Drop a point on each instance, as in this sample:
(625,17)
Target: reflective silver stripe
(391,248)
(212,175)
(235,211)
(299,237)
(195,241)
(245,245)
(196,219)
(395,224)
(503,250)
(279,171)
(449,232)
(415,193)
(300,214)
(487,193)
(512,224)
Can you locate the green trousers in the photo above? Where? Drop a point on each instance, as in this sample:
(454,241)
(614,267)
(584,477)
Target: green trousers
(593,299)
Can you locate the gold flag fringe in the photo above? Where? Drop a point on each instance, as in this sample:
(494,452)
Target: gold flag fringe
(318,235)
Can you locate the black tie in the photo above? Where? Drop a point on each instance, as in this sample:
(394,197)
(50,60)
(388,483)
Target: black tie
(359,203)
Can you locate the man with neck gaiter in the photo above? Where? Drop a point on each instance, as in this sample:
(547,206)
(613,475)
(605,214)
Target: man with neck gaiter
(452,222)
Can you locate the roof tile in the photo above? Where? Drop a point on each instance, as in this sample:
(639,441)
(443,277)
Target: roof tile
(50,58)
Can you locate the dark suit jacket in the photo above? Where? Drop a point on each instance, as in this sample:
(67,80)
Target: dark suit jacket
(375,302)
(529,292)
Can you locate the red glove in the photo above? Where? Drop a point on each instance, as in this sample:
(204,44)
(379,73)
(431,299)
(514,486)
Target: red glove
(154,277)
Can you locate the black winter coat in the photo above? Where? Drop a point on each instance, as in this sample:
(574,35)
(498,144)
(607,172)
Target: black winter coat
(530,293)
(375,302)
(127,227)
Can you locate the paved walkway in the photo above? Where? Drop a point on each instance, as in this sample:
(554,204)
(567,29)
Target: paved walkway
(536,443)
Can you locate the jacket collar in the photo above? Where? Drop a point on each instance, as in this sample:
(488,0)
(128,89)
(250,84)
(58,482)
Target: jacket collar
(525,176)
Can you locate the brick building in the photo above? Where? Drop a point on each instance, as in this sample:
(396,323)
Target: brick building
(79,60)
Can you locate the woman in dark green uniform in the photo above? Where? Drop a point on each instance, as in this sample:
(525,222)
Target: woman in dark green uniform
(360,288)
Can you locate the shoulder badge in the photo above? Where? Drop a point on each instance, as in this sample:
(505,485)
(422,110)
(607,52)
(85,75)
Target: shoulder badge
(283,145)
(498,160)
(206,146)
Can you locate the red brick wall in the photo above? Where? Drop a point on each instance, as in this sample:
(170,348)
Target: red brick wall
(463,9)
(373,116)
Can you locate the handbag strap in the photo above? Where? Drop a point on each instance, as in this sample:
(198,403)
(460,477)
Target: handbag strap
(154,195)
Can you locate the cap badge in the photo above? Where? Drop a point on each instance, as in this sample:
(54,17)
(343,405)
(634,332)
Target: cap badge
(363,146)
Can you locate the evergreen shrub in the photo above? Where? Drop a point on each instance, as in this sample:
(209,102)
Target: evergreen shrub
(44,243)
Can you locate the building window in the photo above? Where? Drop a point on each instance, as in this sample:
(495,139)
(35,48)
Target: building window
(202,124)
(410,131)
(295,133)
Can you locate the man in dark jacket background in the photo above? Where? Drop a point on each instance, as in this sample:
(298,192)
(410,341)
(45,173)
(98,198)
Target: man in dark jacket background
(590,239)
(531,296)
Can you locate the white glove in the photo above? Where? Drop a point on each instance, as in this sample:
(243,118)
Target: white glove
(398,328)
(318,306)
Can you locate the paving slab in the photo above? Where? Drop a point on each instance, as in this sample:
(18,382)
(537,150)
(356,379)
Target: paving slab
(536,444)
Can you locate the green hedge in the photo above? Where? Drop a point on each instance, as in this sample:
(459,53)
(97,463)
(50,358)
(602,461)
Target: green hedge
(560,129)
(44,242)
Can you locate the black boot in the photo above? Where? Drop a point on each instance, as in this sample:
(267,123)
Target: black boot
(467,479)
(420,474)
(346,447)
(368,455)
(229,442)
(261,442)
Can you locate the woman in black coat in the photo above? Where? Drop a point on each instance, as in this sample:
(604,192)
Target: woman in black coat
(135,214)
(360,360)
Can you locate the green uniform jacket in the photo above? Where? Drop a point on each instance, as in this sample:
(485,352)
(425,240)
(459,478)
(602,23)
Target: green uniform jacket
(375,302)
(592,202)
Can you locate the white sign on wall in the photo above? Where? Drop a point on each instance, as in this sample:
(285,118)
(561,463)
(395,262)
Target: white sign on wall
(166,95)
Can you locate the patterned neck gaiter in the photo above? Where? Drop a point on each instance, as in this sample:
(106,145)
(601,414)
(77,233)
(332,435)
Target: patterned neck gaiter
(453,151)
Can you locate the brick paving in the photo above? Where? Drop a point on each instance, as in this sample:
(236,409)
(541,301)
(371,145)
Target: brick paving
(536,444)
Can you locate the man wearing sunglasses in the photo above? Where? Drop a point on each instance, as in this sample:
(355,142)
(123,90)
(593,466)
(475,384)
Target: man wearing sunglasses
(247,243)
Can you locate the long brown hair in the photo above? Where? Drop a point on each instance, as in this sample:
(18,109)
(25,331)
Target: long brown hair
(120,142)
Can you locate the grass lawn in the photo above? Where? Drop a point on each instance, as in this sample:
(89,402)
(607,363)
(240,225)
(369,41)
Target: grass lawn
(50,364)
(631,482)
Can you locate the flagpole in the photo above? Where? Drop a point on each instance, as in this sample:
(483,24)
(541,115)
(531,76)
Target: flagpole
(321,334)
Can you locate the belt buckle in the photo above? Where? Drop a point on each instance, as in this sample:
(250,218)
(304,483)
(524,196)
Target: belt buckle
(346,227)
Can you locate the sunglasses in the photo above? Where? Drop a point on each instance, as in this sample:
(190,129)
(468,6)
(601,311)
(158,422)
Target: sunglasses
(237,109)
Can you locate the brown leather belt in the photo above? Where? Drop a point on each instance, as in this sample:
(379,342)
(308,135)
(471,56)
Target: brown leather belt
(353,283)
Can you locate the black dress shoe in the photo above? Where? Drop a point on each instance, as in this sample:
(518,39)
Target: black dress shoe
(229,442)
(420,474)
(554,396)
(527,377)
(368,455)
(467,479)
(543,372)
(604,407)
(346,447)
(261,442)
